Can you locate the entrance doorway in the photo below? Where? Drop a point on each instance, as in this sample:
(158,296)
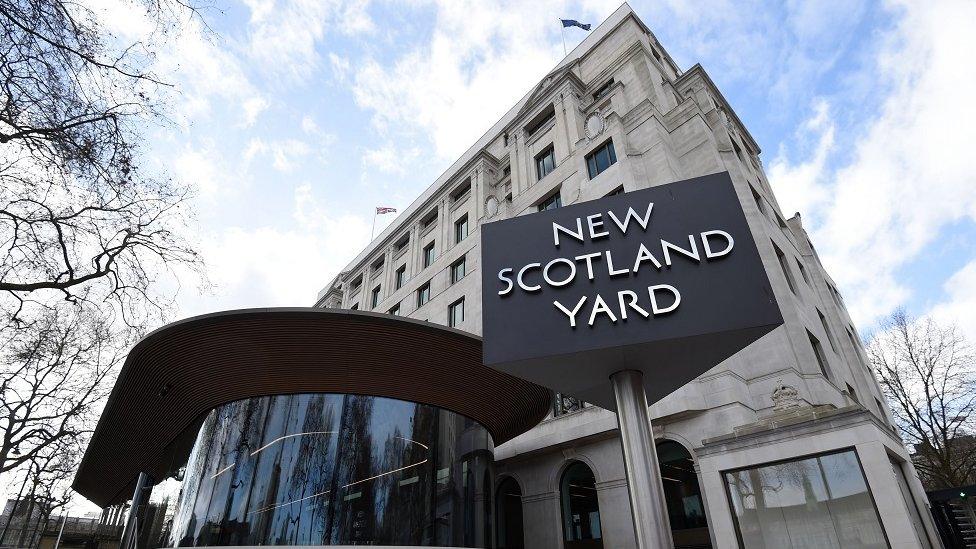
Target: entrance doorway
(508,515)
(682,494)
(581,510)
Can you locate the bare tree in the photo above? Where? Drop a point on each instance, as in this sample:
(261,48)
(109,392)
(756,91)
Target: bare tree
(87,231)
(928,375)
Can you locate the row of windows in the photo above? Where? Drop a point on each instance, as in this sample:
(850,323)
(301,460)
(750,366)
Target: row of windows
(428,257)
(596,162)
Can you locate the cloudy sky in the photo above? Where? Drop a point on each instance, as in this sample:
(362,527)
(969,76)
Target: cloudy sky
(294,118)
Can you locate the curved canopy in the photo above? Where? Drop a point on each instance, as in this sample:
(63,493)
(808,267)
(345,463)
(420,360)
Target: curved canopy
(178,373)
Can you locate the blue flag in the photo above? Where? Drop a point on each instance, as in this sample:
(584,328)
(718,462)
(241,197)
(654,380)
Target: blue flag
(575,23)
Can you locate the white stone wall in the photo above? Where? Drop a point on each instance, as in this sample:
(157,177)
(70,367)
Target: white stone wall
(665,127)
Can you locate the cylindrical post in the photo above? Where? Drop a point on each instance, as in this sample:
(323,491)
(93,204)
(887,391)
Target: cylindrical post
(129,533)
(650,514)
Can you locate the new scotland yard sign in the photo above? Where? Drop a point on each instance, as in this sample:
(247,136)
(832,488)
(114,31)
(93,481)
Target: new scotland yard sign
(665,280)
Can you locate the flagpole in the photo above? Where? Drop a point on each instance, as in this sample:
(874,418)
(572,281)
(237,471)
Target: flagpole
(562,32)
(372,232)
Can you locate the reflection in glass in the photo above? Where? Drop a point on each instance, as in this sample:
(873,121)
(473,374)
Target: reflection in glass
(682,494)
(581,511)
(820,502)
(321,469)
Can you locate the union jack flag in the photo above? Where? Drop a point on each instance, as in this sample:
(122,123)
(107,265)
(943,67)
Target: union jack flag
(380,210)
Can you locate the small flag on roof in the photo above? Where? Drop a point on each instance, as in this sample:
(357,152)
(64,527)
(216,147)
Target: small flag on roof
(380,210)
(575,23)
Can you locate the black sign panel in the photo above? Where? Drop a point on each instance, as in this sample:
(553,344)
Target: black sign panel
(665,280)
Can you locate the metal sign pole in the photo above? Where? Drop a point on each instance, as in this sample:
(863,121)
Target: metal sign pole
(650,514)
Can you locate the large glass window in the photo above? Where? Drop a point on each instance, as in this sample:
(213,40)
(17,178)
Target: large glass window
(601,159)
(554,201)
(508,516)
(816,502)
(545,162)
(682,494)
(581,511)
(326,469)
(461,229)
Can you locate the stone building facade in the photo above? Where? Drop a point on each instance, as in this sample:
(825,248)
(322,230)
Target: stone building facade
(761,451)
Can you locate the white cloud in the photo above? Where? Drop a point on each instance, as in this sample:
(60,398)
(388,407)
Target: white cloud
(390,159)
(283,40)
(959,307)
(274,266)
(284,153)
(799,187)
(455,86)
(910,174)
(253,106)
(202,167)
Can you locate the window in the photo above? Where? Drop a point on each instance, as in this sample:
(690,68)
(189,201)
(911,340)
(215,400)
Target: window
(682,494)
(545,162)
(400,277)
(803,271)
(428,254)
(541,120)
(618,190)
(830,335)
(507,171)
(857,348)
(759,201)
(461,229)
(455,313)
(428,221)
(604,90)
(581,510)
(461,191)
(377,265)
(505,139)
(423,294)
(825,497)
(601,159)
(852,392)
(881,410)
(402,243)
(394,310)
(508,515)
(357,283)
(374,298)
(355,307)
(819,354)
(458,269)
(550,203)
(786,268)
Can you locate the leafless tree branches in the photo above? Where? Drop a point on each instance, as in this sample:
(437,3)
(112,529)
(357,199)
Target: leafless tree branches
(88,226)
(928,375)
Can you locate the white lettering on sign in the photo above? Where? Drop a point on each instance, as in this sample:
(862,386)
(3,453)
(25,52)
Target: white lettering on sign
(661,299)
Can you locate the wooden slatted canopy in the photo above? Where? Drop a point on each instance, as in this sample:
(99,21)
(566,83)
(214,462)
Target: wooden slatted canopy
(178,373)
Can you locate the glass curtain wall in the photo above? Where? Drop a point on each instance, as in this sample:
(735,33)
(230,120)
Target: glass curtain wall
(323,469)
(819,502)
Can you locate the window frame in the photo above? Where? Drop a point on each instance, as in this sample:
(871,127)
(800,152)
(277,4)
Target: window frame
(461,224)
(400,277)
(554,198)
(730,506)
(548,153)
(374,296)
(430,254)
(423,294)
(461,262)
(451,309)
(592,161)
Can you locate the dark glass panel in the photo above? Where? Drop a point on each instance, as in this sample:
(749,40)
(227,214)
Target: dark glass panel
(682,494)
(508,516)
(581,510)
(325,469)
